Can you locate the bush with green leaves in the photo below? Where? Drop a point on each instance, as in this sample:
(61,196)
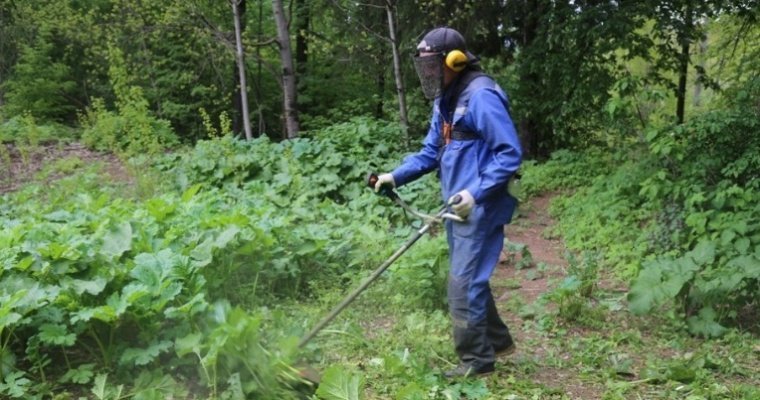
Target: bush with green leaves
(683,211)
(25,129)
(131,131)
(41,83)
(709,171)
(106,285)
(565,169)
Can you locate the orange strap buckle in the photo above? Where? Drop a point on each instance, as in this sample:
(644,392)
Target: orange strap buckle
(446,133)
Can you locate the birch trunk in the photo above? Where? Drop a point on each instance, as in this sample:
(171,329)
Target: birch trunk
(241,69)
(290,109)
(403,118)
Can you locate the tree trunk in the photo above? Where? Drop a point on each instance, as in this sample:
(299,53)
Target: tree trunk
(380,105)
(290,109)
(262,128)
(700,73)
(403,119)
(530,131)
(683,64)
(303,14)
(241,69)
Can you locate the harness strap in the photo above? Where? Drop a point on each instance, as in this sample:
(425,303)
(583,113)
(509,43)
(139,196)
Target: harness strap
(447,107)
(464,135)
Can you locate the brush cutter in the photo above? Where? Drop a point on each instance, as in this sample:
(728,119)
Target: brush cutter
(429,220)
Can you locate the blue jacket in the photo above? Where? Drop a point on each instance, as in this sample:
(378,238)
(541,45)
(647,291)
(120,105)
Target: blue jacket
(482,166)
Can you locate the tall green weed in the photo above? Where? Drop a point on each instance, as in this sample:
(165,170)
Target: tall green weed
(130,130)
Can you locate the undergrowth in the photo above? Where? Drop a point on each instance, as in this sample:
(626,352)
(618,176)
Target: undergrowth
(679,217)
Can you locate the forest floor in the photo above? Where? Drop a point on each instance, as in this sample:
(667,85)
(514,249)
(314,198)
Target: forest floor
(588,346)
(528,268)
(570,345)
(20,165)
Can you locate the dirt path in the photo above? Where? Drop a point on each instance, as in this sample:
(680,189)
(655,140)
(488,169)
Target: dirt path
(49,162)
(520,287)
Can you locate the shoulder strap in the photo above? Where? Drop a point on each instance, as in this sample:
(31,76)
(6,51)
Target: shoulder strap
(461,84)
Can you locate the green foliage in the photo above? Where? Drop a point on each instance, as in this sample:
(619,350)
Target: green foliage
(709,169)
(574,294)
(25,129)
(279,222)
(683,211)
(225,128)
(339,384)
(423,274)
(319,167)
(133,130)
(565,170)
(40,84)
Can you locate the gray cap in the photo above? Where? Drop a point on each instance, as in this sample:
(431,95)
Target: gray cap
(444,40)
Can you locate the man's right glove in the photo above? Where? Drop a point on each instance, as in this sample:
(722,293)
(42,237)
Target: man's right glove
(462,203)
(384,180)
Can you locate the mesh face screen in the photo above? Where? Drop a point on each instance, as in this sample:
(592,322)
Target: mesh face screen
(430,71)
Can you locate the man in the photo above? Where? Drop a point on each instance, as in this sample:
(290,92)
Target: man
(473,142)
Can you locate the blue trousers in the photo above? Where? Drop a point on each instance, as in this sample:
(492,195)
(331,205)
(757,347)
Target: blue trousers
(474,248)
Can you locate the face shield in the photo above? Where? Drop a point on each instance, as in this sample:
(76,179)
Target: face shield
(429,68)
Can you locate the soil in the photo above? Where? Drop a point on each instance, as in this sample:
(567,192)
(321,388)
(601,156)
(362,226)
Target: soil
(19,166)
(532,229)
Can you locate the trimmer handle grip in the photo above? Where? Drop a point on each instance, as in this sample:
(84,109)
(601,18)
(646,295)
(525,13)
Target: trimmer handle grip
(384,190)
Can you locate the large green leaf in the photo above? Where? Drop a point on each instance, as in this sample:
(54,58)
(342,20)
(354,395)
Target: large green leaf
(748,265)
(677,273)
(188,344)
(705,323)
(117,241)
(139,356)
(645,292)
(704,253)
(56,334)
(93,287)
(151,269)
(339,384)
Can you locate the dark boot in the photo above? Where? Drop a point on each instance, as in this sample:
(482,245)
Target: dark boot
(475,352)
(497,331)
(465,371)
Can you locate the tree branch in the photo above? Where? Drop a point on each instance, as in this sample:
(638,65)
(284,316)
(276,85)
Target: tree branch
(364,27)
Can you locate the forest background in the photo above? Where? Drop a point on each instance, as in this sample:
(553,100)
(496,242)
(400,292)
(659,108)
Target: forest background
(191,266)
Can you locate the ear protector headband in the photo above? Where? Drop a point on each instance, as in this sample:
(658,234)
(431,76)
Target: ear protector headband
(455,59)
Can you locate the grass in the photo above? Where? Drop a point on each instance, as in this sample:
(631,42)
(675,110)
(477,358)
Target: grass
(604,353)
(576,341)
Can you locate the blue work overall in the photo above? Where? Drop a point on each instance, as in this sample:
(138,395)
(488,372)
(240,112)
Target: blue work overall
(483,154)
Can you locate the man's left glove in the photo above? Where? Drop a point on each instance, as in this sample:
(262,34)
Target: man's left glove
(465,204)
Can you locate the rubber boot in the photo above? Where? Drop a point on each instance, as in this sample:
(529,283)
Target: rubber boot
(475,352)
(497,331)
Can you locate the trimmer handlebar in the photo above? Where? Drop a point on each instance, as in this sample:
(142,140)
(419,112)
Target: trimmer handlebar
(387,190)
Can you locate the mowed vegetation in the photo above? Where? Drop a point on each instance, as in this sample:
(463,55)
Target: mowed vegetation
(149,251)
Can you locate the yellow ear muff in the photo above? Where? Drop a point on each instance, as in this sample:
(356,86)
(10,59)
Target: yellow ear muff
(456,60)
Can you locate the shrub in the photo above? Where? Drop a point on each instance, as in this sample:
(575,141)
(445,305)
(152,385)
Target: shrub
(131,131)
